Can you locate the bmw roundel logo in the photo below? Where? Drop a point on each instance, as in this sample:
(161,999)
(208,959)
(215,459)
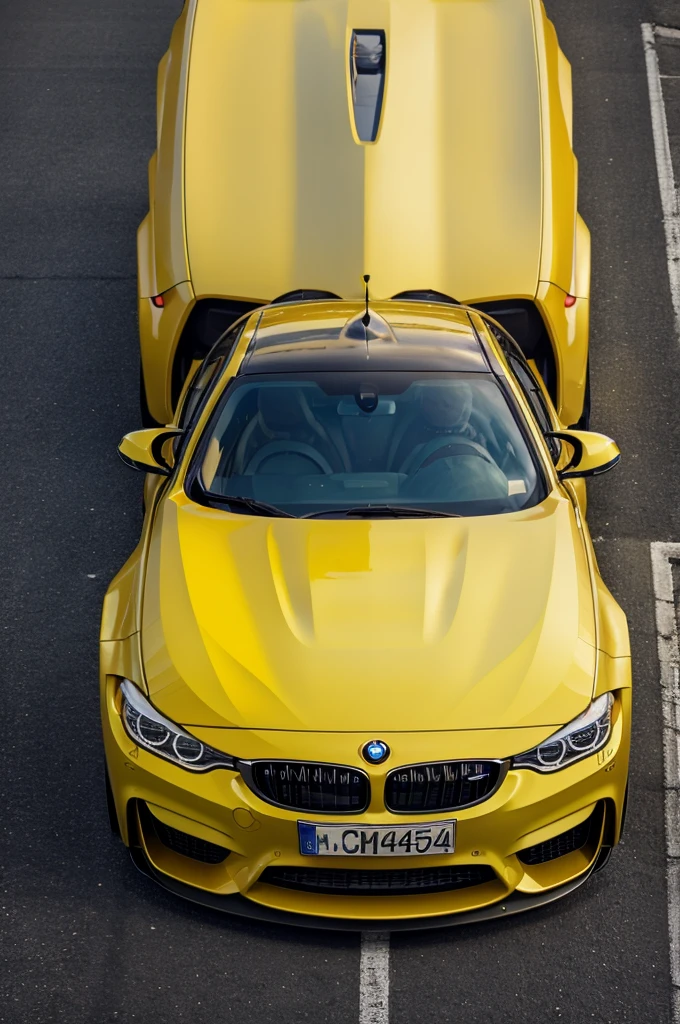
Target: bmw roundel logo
(375,751)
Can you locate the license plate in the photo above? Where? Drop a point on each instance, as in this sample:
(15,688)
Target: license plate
(436,837)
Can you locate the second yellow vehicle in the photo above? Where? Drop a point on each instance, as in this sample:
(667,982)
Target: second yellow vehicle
(303,143)
(362,668)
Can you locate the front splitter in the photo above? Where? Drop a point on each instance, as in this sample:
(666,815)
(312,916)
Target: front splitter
(241,906)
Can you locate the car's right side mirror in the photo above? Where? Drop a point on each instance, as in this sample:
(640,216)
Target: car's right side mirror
(592,453)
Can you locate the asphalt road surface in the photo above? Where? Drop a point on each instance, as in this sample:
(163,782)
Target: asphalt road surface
(87,940)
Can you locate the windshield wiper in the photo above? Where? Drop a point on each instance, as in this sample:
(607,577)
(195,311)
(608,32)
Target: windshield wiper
(253,505)
(383,511)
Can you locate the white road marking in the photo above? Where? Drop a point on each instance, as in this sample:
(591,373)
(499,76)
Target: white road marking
(664,163)
(374,979)
(663,558)
(667,33)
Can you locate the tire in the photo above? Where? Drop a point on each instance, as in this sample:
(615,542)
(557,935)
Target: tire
(111,806)
(147,418)
(584,421)
(602,858)
(624,812)
(606,851)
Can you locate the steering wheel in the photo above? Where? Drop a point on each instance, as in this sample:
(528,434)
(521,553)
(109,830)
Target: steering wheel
(274,448)
(443,448)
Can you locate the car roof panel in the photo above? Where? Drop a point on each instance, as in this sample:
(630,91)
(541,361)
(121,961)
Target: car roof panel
(405,336)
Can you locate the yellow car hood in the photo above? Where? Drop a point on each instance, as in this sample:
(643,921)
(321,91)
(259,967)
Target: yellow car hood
(280,195)
(368,626)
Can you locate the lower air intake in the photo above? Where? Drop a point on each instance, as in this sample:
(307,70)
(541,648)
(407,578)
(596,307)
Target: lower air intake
(551,849)
(187,845)
(397,882)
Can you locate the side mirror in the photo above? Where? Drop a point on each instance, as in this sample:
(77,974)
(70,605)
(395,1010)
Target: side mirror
(593,453)
(143,449)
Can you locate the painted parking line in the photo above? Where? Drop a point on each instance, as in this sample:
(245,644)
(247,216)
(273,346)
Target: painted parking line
(667,33)
(664,164)
(374,980)
(664,557)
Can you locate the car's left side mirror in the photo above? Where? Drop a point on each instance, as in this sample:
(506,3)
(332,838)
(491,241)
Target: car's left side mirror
(592,453)
(143,449)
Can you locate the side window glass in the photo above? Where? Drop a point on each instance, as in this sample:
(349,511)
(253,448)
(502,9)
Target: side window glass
(529,385)
(534,396)
(532,391)
(208,372)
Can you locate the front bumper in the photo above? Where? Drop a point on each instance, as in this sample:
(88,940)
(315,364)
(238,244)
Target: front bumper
(241,906)
(219,810)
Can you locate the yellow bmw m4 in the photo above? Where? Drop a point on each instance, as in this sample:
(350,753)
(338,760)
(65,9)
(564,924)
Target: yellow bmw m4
(304,142)
(361,667)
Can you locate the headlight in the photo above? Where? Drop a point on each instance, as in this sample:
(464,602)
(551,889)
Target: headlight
(582,737)
(153,732)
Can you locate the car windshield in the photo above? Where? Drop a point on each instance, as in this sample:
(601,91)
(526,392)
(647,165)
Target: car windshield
(339,443)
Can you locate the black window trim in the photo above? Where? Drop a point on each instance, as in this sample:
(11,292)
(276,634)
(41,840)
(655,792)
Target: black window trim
(188,428)
(237,330)
(514,352)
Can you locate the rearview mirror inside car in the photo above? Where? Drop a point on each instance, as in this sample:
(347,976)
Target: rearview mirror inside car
(592,453)
(143,449)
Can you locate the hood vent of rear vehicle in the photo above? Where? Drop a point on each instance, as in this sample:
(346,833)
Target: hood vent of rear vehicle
(367,63)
